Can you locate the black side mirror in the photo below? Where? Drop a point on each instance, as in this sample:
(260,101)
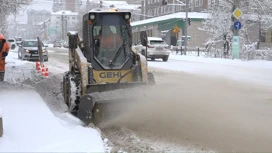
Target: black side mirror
(73,39)
(97,42)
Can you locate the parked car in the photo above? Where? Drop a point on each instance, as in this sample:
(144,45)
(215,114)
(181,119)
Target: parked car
(12,43)
(57,44)
(65,45)
(156,48)
(28,50)
(18,40)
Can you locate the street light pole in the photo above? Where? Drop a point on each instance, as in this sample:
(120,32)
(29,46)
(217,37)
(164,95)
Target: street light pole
(186,28)
(62,25)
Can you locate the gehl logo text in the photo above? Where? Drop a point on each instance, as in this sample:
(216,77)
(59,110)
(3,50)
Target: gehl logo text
(110,74)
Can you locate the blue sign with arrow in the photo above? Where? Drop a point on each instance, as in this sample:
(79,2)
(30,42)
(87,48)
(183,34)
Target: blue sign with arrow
(237,25)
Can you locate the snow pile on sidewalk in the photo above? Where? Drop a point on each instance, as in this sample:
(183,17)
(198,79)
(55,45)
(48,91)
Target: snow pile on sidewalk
(256,71)
(29,126)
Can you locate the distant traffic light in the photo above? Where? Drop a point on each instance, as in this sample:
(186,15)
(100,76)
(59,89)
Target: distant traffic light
(189,21)
(164,2)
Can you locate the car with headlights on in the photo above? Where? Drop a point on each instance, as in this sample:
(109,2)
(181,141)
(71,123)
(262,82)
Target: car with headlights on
(28,50)
(156,48)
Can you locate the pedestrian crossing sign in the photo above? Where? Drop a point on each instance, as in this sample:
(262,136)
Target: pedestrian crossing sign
(176,29)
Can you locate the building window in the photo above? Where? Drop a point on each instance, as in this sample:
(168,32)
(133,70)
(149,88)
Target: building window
(190,4)
(201,2)
(74,18)
(162,10)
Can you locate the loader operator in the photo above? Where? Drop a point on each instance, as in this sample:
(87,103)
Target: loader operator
(110,43)
(4,49)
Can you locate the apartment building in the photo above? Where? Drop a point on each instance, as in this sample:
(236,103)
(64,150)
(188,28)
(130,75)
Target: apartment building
(154,8)
(71,5)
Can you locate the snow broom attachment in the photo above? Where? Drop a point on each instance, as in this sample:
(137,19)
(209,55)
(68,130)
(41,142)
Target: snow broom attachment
(108,100)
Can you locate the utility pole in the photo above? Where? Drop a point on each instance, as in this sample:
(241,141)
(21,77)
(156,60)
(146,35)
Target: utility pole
(15,16)
(62,25)
(101,4)
(186,28)
(144,10)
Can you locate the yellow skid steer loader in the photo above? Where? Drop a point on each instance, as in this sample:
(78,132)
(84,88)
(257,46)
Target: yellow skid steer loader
(103,67)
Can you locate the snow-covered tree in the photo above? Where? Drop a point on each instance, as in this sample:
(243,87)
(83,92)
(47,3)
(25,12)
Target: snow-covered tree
(7,8)
(256,15)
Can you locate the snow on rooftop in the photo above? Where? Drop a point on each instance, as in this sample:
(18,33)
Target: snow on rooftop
(193,15)
(128,7)
(65,12)
(112,3)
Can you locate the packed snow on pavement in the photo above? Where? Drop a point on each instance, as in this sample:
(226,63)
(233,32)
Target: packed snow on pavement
(31,125)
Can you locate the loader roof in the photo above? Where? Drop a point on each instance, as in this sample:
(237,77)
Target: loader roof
(106,10)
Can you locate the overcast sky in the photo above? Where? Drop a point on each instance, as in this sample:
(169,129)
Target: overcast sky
(36,5)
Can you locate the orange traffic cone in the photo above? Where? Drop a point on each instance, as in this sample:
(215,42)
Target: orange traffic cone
(46,74)
(43,70)
(38,66)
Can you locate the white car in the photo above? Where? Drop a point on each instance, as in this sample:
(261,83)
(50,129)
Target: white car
(18,40)
(12,43)
(156,48)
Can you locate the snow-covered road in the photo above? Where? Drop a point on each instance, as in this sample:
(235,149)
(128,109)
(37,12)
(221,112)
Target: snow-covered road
(227,108)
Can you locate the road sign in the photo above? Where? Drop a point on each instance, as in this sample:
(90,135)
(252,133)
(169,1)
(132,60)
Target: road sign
(237,13)
(237,25)
(176,29)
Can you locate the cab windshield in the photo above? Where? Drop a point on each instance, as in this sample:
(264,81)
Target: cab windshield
(110,35)
(31,44)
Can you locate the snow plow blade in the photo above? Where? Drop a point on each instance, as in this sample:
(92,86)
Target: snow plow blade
(106,102)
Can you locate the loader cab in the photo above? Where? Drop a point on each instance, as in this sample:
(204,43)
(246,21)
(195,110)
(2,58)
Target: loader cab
(107,40)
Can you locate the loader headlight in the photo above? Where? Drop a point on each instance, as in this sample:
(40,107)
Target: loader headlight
(44,51)
(127,16)
(92,16)
(27,51)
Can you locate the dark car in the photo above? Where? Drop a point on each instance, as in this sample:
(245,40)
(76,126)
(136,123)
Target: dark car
(28,50)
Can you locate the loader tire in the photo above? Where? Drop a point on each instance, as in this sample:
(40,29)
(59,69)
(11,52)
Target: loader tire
(68,80)
(150,78)
(65,87)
